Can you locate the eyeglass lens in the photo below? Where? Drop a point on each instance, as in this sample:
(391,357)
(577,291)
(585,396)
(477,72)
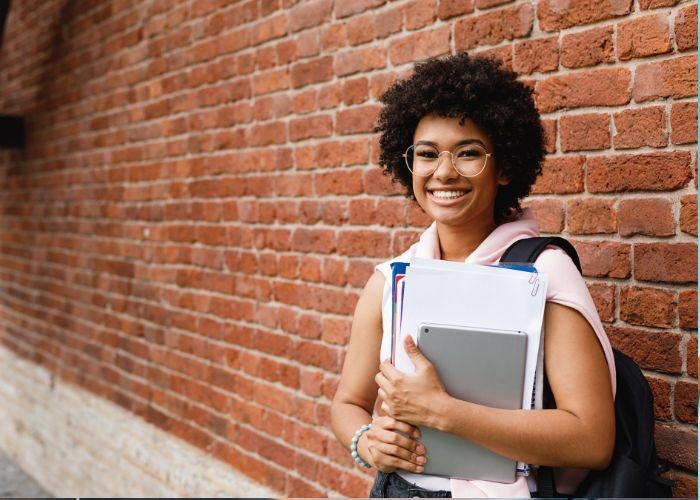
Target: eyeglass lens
(423,159)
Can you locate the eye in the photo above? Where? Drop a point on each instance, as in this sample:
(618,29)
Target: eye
(426,152)
(470,152)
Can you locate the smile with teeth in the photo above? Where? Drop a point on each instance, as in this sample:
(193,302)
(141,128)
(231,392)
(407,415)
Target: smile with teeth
(447,195)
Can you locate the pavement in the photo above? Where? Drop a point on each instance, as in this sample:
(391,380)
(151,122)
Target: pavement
(15,483)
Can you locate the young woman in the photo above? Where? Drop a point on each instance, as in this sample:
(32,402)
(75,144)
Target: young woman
(463,136)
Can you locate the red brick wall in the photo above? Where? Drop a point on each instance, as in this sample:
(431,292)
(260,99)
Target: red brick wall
(198,206)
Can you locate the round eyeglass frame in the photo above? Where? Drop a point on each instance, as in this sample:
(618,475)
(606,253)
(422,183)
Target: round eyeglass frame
(437,163)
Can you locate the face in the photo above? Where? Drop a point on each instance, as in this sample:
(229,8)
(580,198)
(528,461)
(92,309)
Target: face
(446,196)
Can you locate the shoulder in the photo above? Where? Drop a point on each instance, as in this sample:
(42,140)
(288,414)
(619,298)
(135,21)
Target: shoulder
(564,278)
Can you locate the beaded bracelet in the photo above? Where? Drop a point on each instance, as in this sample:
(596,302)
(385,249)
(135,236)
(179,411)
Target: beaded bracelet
(353,445)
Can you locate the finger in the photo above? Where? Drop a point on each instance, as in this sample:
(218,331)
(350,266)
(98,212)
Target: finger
(413,351)
(390,449)
(397,432)
(388,370)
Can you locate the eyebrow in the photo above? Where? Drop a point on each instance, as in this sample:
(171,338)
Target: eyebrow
(463,142)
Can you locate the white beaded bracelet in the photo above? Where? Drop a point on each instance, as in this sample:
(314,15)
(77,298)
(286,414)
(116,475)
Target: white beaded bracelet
(353,445)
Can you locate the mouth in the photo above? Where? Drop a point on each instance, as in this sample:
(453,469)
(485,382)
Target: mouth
(447,195)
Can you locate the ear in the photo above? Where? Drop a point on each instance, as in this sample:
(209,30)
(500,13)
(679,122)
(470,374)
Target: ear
(503,179)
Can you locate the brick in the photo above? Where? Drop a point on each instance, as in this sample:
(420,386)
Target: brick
(643,37)
(485,4)
(686,485)
(555,15)
(494,27)
(306,44)
(316,70)
(336,331)
(666,262)
(360,29)
(661,391)
(347,9)
(357,119)
(560,175)
(604,259)
(448,9)
(388,21)
(646,216)
(655,4)
(316,354)
(684,122)
(689,214)
(652,172)
(686,28)
(590,131)
(420,45)
(503,55)
(310,127)
(334,36)
(362,242)
(588,48)
(309,14)
(338,182)
(549,214)
(603,296)
(636,128)
(677,446)
(675,78)
(688,309)
(300,488)
(422,14)
(600,87)
(591,216)
(692,358)
(305,101)
(359,60)
(685,400)
(644,306)
(270,81)
(268,29)
(652,350)
(536,55)
(355,91)
(550,135)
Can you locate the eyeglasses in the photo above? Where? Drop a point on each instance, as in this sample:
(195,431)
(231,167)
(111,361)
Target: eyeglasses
(468,160)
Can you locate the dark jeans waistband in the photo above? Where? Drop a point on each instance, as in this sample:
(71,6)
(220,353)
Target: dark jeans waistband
(391,485)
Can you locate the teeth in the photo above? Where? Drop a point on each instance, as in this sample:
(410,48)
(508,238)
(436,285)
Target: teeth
(448,195)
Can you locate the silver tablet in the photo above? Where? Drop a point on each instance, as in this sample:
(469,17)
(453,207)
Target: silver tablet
(479,365)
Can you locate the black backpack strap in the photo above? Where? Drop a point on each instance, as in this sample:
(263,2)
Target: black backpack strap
(528,249)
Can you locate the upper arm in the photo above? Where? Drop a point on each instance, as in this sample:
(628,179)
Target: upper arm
(577,370)
(357,385)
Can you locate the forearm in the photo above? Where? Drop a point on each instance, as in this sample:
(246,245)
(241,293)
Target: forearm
(346,418)
(545,437)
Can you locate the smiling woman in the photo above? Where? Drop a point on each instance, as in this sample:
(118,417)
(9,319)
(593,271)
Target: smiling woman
(462,135)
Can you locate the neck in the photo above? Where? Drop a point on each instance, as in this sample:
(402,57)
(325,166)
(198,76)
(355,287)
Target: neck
(456,243)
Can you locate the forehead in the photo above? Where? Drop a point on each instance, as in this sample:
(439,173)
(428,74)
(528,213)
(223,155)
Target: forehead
(448,130)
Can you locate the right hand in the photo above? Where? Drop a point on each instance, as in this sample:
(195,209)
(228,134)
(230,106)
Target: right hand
(389,447)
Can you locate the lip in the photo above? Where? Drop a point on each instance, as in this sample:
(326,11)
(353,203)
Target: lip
(447,196)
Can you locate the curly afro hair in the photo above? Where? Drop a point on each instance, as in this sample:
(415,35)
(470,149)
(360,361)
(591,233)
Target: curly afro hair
(462,86)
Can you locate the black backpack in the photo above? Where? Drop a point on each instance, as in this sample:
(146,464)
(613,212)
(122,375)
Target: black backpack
(634,469)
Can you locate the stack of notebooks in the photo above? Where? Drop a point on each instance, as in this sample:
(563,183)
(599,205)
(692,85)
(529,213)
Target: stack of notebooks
(481,327)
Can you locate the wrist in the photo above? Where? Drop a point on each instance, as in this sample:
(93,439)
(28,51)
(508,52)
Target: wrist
(354,446)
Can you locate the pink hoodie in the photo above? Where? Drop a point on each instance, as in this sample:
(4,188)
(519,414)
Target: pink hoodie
(565,287)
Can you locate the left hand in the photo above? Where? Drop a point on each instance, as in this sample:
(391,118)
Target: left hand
(410,397)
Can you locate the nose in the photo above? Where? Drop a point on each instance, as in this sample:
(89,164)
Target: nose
(445,167)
